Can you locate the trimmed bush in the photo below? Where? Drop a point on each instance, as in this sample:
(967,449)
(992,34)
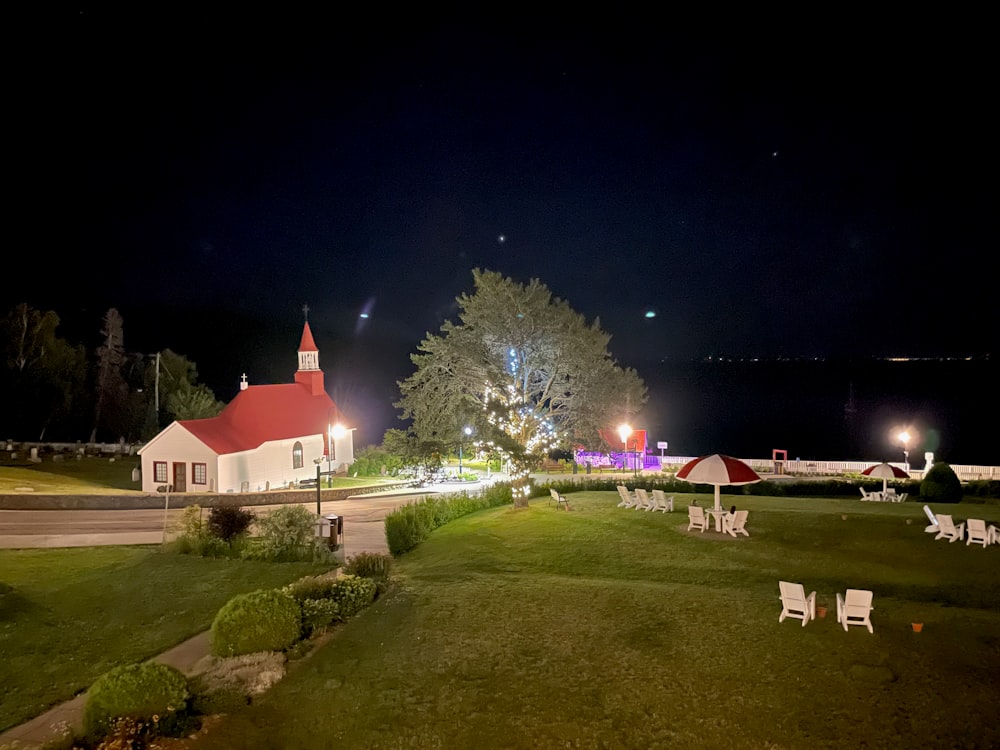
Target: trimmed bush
(327,599)
(353,594)
(228,521)
(941,485)
(265,620)
(146,693)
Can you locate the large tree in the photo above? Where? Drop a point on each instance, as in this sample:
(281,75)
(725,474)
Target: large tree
(42,377)
(111,390)
(522,367)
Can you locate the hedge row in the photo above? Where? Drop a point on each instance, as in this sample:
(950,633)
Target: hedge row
(410,524)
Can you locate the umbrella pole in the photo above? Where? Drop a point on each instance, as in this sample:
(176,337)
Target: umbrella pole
(718,498)
(885,486)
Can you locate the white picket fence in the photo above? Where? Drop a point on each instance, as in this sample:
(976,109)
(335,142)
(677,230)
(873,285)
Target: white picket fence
(767,466)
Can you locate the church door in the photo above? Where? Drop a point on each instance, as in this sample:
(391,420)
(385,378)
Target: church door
(180,477)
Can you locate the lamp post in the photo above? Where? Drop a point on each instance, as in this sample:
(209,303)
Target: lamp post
(466,431)
(904,438)
(624,431)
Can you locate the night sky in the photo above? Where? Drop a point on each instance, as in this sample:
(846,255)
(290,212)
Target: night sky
(812,193)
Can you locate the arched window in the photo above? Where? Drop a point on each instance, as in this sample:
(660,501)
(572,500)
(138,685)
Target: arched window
(297,462)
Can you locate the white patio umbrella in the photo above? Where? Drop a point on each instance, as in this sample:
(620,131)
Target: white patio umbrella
(885,472)
(717,469)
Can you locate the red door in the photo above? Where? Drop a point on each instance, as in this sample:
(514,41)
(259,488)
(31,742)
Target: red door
(180,478)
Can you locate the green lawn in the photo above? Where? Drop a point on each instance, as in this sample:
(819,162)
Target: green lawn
(613,628)
(69,615)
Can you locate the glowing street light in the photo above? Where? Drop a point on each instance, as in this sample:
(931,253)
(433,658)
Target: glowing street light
(904,438)
(466,431)
(624,431)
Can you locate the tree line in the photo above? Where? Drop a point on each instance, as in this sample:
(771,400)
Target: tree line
(54,390)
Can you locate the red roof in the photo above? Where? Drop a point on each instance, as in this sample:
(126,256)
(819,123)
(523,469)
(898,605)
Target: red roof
(307,344)
(266,412)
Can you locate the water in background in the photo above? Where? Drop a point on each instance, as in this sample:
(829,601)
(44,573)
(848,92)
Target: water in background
(826,410)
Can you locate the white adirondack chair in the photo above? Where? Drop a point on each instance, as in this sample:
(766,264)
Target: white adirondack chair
(559,499)
(795,603)
(628,499)
(934,528)
(855,608)
(865,495)
(734,523)
(902,497)
(644,503)
(948,530)
(696,518)
(664,504)
(978,533)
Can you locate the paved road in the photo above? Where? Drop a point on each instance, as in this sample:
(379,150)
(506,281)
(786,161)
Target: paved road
(364,529)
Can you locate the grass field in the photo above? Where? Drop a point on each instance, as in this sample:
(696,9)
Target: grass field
(69,615)
(612,628)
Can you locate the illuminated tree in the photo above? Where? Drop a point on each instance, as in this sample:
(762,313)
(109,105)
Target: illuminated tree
(525,369)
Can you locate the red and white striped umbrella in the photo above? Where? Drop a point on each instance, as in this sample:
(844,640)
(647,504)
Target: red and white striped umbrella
(885,472)
(718,470)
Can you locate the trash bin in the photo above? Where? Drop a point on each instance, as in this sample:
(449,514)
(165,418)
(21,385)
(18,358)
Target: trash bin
(335,528)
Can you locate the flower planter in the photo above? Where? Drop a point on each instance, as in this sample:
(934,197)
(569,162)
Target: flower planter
(917,626)
(821,611)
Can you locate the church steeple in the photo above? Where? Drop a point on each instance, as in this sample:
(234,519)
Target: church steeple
(309,373)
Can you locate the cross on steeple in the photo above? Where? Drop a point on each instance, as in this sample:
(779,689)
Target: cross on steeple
(305,311)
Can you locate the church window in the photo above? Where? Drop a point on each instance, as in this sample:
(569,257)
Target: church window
(199,474)
(297,462)
(159,471)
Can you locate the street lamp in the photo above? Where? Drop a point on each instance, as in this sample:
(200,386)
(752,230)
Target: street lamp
(465,433)
(624,431)
(904,438)
(334,432)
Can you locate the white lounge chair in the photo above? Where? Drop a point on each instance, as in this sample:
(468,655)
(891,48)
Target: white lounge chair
(865,495)
(696,518)
(978,533)
(559,499)
(628,499)
(664,504)
(933,528)
(902,497)
(795,603)
(733,523)
(948,530)
(855,608)
(643,501)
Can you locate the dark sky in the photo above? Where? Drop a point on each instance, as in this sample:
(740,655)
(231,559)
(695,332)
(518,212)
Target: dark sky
(812,192)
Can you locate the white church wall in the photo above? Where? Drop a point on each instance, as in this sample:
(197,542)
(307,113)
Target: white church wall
(176,445)
(343,451)
(269,466)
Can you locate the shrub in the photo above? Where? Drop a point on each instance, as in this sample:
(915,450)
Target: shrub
(147,693)
(190,523)
(941,485)
(285,534)
(373,566)
(228,521)
(264,620)
(352,594)
(325,599)
(409,525)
